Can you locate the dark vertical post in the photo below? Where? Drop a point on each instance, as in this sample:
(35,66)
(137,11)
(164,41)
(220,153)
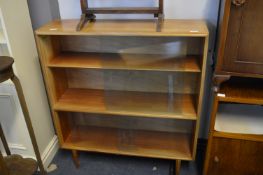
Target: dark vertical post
(84,6)
(160,17)
(161,7)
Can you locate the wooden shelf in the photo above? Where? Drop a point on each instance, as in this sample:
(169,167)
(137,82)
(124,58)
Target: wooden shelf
(238,90)
(250,137)
(141,104)
(130,142)
(187,28)
(157,62)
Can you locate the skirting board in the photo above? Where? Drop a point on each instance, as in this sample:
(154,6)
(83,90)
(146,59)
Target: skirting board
(50,151)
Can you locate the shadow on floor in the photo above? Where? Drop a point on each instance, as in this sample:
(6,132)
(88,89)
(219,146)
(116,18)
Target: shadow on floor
(106,164)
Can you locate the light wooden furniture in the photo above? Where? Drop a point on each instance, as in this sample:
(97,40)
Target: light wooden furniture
(15,164)
(235,153)
(88,13)
(120,87)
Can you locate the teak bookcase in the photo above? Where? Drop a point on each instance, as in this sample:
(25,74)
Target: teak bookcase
(120,87)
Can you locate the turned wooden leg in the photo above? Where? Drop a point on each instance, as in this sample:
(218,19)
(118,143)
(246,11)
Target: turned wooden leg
(177,167)
(28,123)
(75,158)
(2,135)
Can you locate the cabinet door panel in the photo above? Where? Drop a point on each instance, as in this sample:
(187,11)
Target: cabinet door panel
(244,43)
(230,156)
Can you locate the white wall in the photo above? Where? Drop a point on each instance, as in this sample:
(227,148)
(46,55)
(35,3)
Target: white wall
(196,9)
(13,122)
(43,11)
(22,47)
(173,9)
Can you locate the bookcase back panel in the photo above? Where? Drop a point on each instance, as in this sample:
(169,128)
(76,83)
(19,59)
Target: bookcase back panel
(179,46)
(143,81)
(126,122)
(125,136)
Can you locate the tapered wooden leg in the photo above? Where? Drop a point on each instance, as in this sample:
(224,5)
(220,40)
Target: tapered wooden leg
(75,158)
(31,132)
(177,167)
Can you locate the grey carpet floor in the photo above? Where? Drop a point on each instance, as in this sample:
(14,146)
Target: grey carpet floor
(106,164)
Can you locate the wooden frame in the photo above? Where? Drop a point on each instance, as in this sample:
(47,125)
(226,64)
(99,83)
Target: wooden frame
(232,91)
(88,14)
(107,97)
(225,17)
(233,15)
(16,162)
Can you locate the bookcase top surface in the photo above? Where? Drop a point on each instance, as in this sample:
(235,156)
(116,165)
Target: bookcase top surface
(170,27)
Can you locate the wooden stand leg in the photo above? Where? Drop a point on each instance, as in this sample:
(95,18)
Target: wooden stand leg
(7,150)
(159,22)
(75,158)
(28,122)
(177,167)
(84,18)
(81,22)
(3,168)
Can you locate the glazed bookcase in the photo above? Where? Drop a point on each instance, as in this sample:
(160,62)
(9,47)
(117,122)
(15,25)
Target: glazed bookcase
(120,87)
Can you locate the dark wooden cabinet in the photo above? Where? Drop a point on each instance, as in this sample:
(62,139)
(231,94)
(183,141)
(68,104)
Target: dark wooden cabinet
(236,152)
(238,79)
(241,36)
(234,156)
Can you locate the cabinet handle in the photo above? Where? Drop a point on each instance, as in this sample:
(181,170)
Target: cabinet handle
(238,2)
(216,159)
